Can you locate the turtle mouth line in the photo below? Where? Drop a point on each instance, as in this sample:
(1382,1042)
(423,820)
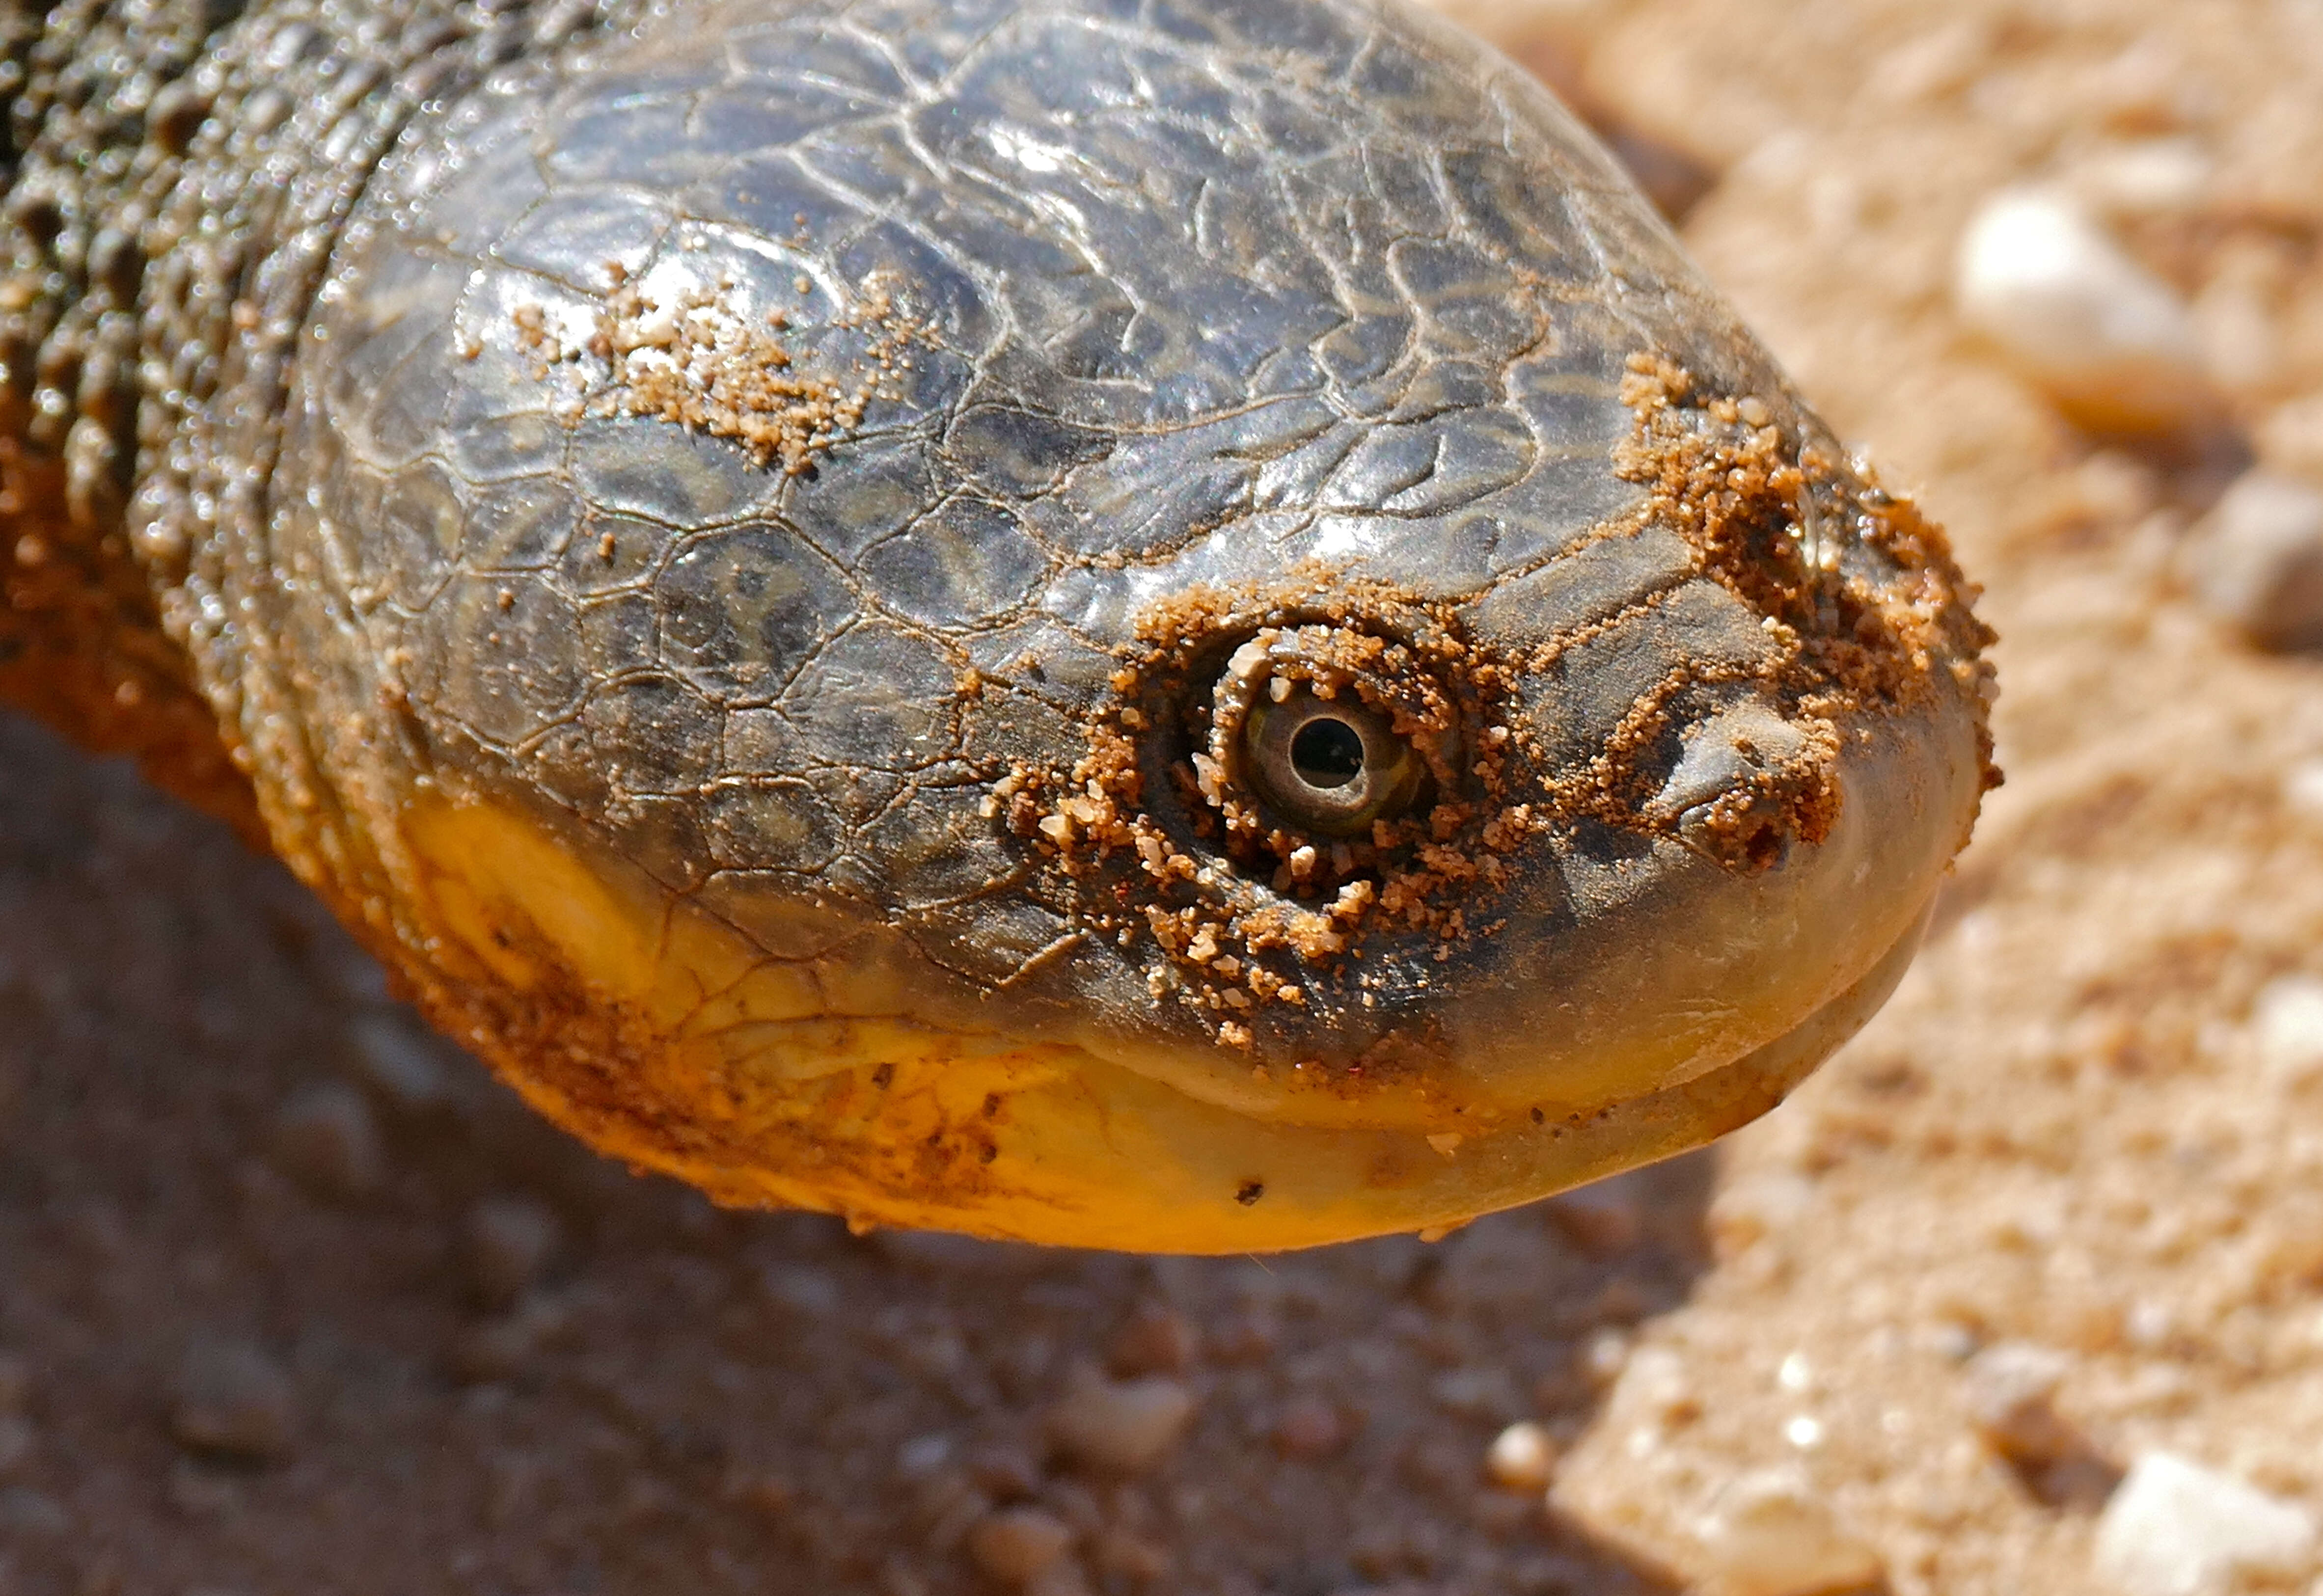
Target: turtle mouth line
(901,1123)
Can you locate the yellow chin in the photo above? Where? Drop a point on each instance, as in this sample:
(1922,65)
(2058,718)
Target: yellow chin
(662,1036)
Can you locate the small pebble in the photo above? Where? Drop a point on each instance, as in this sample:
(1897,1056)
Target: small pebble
(1756,1206)
(769,1495)
(2177,1528)
(404,1070)
(2290,435)
(201,1492)
(1656,1387)
(2010,1390)
(1605,1356)
(503,1347)
(25,1511)
(2153,177)
(2302,789)
(2256,560)
(2110,344)
(510,1241)
(2287,1025)
(1308,1429)
(802,1289)
(1005,1470)
(1062,1578)
(1247,1338)
(1482,1391)
(232,1398)
(923,1455)
(1601,1218)
(1621,1301)
(1155,1340)
(1772,1534)
(1122,1426)
(1016,1546)
(1127,1555)
(1521,1457)
(326,1139)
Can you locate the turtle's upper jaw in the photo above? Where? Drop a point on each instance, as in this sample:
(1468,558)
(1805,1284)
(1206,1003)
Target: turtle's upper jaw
(1190,637)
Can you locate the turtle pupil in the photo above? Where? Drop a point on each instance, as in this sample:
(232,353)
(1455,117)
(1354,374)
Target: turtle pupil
(1327,752)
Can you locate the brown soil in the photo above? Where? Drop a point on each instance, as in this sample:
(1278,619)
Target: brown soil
(2063,1131)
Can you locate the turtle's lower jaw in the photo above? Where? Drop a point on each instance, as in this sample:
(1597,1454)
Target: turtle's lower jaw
(660,1034)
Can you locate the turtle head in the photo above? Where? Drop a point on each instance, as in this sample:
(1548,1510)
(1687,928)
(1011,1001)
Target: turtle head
(1191,638)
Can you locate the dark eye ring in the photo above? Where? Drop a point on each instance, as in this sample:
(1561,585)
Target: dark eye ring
(1332,765)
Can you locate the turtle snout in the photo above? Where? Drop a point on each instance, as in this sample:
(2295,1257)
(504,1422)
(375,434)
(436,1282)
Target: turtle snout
(1747,786)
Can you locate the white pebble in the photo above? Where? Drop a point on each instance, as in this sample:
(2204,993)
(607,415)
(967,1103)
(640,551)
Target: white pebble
(2010,1392)
(1016,1546)
(1521,1457)
(1122,1426)
(2303,788)
(2287,1025)
(1605,1356)
(1771,1534)
(2257,560)
(2176,1529)
(2109,342)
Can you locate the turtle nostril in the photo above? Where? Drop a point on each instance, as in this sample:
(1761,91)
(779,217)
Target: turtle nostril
(1327,752)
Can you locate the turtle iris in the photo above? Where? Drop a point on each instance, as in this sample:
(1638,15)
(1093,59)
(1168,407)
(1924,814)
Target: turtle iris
(1333,765)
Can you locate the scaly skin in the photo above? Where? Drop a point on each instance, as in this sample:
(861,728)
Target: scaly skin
(739,545)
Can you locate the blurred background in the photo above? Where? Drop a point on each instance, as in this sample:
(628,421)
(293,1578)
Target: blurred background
(2023,1293)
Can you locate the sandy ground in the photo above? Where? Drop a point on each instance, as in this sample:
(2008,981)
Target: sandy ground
(293,1300)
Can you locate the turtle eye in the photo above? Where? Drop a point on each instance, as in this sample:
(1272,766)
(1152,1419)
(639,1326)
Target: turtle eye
(1332,765)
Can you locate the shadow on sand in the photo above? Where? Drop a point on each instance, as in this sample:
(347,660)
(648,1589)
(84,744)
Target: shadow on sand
(461,1355)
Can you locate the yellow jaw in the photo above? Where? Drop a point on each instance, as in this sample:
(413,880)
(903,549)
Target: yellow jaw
(805,1084)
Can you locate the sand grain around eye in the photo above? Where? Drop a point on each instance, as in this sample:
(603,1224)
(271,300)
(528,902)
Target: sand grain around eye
(1159,836)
